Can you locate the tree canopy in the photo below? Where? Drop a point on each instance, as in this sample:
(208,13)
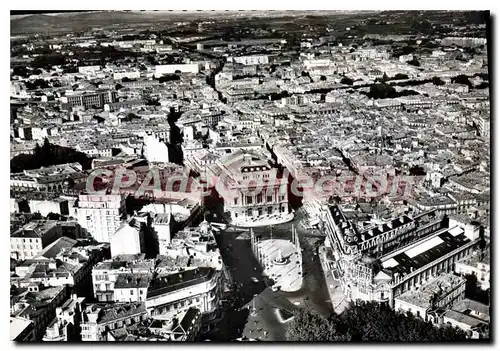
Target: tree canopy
(367,321)
(311,326)
(417,171)
(48,155)
(462,79)
(384,91)
(437,81)
(346,80)
(414,62)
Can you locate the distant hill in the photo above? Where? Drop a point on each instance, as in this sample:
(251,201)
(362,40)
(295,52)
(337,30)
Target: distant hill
(75,20)
(70,21)
(40,23)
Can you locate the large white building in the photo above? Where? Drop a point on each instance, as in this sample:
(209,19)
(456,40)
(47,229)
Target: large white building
(101,215)
(171,69)
(250,187)
(380,263)
(128,239)
(200,288)
(89,70)
(155,150)
(250,60)
(132,74)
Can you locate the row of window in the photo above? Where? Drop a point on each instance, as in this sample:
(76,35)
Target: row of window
(178,305)
(31,240)
(26,254)
(107,287)
(260,211)
(259,198)
(444,265)
(255,176)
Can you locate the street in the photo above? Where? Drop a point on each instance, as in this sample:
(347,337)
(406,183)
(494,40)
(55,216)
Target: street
(240,261)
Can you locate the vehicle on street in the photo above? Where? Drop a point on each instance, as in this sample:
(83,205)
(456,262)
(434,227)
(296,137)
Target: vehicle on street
(255,280)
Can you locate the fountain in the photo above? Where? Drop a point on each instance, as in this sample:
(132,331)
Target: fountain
(280,260)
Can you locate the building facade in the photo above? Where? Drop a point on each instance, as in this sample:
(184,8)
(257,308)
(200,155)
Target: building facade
(92,99)
(250,187)
(200,288)
(105,276)
(98,320)
(30,240)
(101,215)
(382,262)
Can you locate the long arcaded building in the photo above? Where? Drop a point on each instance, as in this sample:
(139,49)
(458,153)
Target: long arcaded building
(382,262)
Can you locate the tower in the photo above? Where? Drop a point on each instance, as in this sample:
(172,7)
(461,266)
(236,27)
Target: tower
(101,215)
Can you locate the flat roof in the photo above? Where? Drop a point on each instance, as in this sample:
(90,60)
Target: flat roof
(57,246)
(424,252)
(166,284)
(17,326)
(440,286)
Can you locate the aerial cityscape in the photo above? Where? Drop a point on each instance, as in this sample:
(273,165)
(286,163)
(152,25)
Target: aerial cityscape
(251,176)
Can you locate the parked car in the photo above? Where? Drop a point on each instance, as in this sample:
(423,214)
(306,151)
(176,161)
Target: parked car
(255,280)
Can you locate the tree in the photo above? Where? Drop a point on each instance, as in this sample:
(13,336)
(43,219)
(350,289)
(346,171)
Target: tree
(414,62)
(473,290)
(54,216)
(400,76)
(384,91)
(37,84)
(417,171)
(367,321)
(437,81)
(46,147)
(407,50)
(483,85)
(346,80)
(169,77)
(21,71)
(311,326)
(48,155)
(462,79)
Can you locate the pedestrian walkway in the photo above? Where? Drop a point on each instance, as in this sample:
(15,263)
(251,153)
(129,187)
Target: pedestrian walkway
(334,286)
(282,263)
(263,221)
